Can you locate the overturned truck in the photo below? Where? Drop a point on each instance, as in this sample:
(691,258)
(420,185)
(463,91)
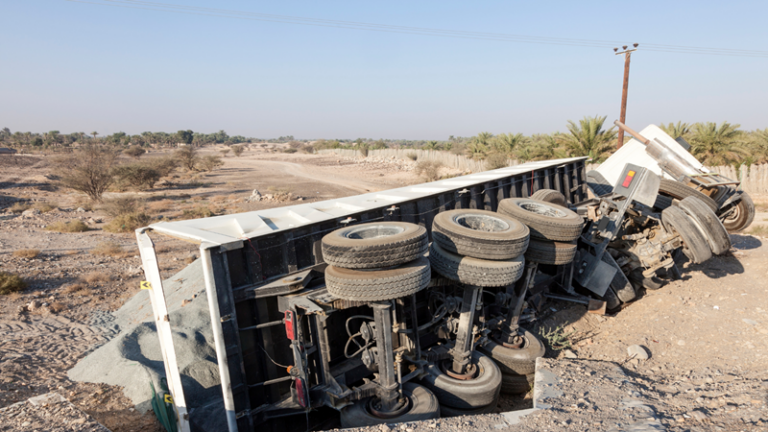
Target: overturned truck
(406,304)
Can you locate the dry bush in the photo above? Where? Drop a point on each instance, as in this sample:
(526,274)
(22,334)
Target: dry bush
(88,170)
(237,150)
(210,163)
(412,156)
(307,149)
(289,150)
(73,226)
(56,307)
(190,259)
(73,288)
(160,206)
(127,222)
(26,253)
(11,283)
(140,176)
(197,213)
(109,248)
(224,152)
(122,205)
(45,206)
(96,277)
(430,170)
(19,207)
(134,151)
(495,161)
(187,157)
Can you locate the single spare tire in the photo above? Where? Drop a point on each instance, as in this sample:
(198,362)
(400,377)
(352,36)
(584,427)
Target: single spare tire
(517,384)
(548,252)
(708,224)
(377,285)
(742,216)
(480,234)
(695,246)
(679,191)
(550,196)
(475,271)
(547,221)
(374,245)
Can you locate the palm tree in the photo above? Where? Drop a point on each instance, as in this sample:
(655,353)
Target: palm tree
(431,145)
(546,146)
(676,130)
(506,143)
(718,145)
(94,133)
(478,145)
(588,138)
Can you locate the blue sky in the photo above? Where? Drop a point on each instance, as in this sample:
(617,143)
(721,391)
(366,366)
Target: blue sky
(73,66)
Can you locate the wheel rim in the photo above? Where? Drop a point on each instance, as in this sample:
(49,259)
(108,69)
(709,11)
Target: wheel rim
(542,209)
(373,231)
(374,408)
(484,223)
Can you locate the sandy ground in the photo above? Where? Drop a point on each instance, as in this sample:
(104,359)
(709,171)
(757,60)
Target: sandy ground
(704,332)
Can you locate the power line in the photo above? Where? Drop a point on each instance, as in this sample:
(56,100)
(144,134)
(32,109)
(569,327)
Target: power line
(422,31)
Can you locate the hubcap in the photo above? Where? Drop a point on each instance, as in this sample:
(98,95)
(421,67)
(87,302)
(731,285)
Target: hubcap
(481,222)
(542,209)
(373,231)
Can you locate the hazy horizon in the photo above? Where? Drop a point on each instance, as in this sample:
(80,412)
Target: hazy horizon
(77,67)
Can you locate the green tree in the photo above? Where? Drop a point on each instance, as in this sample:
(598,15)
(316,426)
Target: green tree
(718,145)
(88,170)
(588,138)
(185,136)
(478,145)
(676,130)
(506,143)
(431,145)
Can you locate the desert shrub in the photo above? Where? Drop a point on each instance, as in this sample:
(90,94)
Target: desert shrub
(307,149)
(160,206)
(73,226)
(237,150)
(164,165)
(26,253)
(10,283)
(19,207)
(412,156)
(56,307)
(363,151)
(122,205)
(496,161)
(295,144)
(73,288)
(197,213)
(428,169)
(289,150)
(459,148)
(88,171)
(45,206)
(210,163)
(134,151)
(108,248)
(95,277)
(127,222)
(187,157)
(140,176)
(224,152)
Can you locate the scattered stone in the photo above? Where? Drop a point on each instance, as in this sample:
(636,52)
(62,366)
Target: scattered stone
(746,320)
(30,213)
(80,210)
(639,352)
(570,354)
(698,415)
(255,196)
(34,305)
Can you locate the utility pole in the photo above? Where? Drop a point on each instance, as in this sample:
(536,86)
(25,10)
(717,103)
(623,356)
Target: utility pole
(623,117)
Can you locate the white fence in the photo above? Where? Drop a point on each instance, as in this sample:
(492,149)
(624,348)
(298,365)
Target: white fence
(446,158)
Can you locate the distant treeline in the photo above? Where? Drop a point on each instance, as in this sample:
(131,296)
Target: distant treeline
(713,144)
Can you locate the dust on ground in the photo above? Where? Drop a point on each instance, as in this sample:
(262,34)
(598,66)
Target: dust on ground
(706,334)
